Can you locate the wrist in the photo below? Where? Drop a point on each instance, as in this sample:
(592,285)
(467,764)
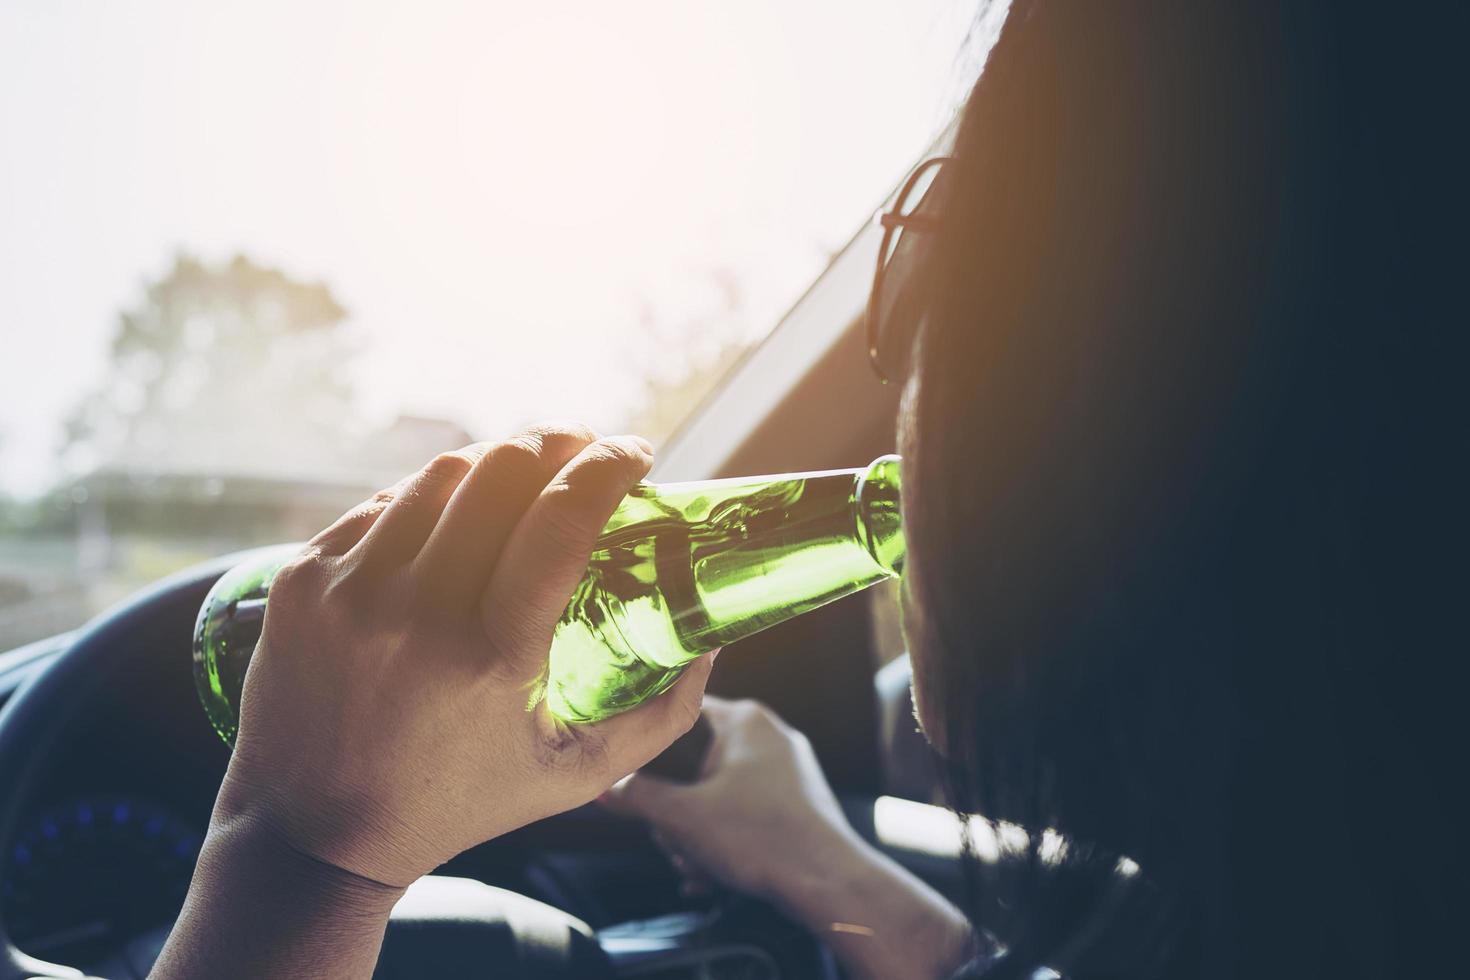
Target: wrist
(247,838)
(806,889)
(879,919)
(340,827)
(259,907)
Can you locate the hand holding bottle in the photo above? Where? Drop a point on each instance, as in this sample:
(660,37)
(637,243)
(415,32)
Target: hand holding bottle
(390,717)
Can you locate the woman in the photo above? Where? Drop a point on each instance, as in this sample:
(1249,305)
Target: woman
(1165,338)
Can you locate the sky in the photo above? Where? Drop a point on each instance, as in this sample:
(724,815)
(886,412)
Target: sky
(502,195)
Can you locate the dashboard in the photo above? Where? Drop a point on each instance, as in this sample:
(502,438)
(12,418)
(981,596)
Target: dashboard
(132,856)
(105,847)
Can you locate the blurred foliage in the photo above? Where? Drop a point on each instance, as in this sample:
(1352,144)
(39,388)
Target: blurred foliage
(218,364)
(222,419)
(707,340)
(46,514)
(226,419)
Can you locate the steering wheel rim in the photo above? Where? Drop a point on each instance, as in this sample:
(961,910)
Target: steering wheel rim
(36,715)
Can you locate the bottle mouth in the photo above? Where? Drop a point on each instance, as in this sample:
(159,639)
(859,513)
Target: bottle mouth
(877,501)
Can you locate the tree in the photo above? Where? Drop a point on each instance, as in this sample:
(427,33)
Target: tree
(684,355)
(221,368)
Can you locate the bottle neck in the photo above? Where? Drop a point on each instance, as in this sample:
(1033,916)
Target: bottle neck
(799,543)
(879,514)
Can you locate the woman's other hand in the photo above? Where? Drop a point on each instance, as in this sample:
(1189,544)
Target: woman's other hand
(762,812)
(763,820)
(391,715)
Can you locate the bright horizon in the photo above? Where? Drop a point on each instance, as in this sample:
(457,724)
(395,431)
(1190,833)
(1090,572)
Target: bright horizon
(502,197)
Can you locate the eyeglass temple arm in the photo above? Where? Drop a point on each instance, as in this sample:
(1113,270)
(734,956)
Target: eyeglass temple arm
(918,222)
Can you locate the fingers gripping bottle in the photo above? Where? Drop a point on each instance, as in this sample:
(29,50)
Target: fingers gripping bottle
(680,568)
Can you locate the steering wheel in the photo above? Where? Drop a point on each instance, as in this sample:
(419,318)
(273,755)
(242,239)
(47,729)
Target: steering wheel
(445,926)
(37,714)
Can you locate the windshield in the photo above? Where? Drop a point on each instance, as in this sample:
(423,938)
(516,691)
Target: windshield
(259,261)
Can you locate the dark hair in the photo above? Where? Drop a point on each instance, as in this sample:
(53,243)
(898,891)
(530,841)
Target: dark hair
(1180,480)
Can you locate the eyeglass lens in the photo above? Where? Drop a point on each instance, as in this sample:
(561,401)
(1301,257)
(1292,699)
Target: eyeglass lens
(896,307)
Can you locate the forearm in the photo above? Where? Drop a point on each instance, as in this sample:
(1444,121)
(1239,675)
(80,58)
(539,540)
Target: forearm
(879,920)
(257,908)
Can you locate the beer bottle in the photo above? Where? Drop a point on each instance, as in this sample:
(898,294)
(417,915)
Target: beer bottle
(679,569)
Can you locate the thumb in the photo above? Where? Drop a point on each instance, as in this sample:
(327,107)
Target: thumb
(635,737)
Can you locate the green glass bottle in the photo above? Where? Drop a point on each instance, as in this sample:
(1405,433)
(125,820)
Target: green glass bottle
(680,568)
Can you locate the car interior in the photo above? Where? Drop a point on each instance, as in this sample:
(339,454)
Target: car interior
(108,767)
